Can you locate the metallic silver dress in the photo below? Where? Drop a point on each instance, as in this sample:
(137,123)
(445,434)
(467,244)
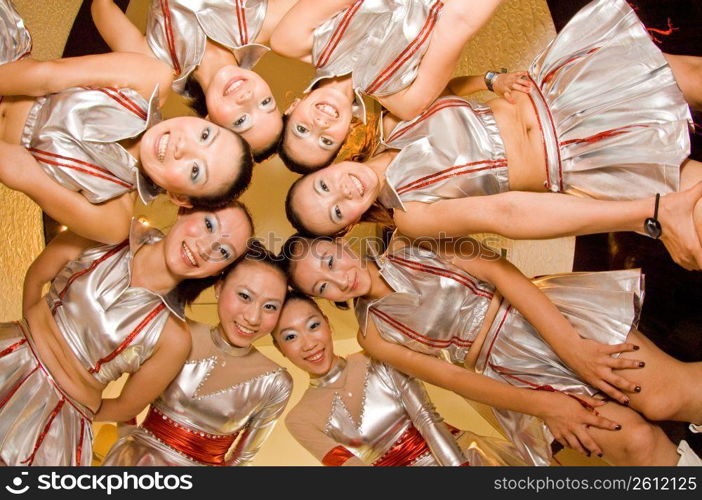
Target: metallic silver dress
(380,42)
(430,312)
(111,327)
(187,427)
(177,31)
(15,40)
(614,121)
(397,424)
(74,136)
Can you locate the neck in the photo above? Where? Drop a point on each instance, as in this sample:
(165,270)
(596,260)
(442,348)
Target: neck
(379,288)
(379,164)
(343,84)
(149,269)
(274,13)
(215,57)
(132,146)
(335,368)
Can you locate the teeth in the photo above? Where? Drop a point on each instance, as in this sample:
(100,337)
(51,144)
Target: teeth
(233,86)
(359,185)
(189,255)
(162,145)
(315,357)
(328,110)
(247,331)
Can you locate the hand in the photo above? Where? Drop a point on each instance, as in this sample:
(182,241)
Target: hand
(568,420)
(594,363)
(679,236)
(506,83)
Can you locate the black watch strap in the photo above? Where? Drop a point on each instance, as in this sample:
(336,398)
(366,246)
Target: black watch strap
(652,226)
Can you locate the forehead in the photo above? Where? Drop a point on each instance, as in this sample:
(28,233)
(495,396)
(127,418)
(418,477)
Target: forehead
(312,208)
(223,157)
(267,127)
(304,150)
(308,262)
(261,278)
(295,313)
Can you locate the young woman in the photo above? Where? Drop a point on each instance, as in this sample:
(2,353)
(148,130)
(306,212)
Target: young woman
(227,391)
(111,309)
(557,335)
(400,52)
(359,411)
(628,142)
(210,49)
(81,153)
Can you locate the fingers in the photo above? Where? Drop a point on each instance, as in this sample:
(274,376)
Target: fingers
(587,442)
(625,347)
(509,97)
(622,363)
(613,392)
(574,442)
(601,422)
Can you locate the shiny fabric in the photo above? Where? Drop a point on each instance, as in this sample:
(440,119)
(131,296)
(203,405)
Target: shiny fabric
(15,40)
(111,327)
(251,408)
(39,424)
(615,122)
(74,136)
(392,405)
(177,31)
(601,306)
(380,42)
(437,309)
(452,150)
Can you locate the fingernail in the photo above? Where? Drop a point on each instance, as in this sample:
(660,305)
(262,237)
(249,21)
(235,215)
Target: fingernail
(588,453)
(637,389)
(617,427)
(636,348)
(625,402)
(642,364)
(600,455)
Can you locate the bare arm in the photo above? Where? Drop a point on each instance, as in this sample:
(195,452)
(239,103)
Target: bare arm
(459,22)
(117,69)
(106,222)
(293,37)
(503,86)
(150,380)
(117,30)
(65,247)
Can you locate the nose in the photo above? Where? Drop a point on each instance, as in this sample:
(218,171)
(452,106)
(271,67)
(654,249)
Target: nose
(321,122)
(179,148)
(308,343)
(342,281)
(346,190)
(244,96)
(252,315)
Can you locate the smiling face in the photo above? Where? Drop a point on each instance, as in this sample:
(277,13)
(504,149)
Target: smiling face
(250,301)
(242,101)
(335,197)
(317,126)
(189,156)
(202,243)
(304,337)
(331,270)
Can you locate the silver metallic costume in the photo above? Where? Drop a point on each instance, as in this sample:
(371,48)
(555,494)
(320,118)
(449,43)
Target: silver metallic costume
(429,312)
(111,327)
(177,31)
(74,136)
(380,42)
(249,407)
(15,40)
(614,121)
(397,423)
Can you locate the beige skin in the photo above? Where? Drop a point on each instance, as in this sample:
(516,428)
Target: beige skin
(527,212)
(251,111)
(197,159)
(158,267)
(666,386)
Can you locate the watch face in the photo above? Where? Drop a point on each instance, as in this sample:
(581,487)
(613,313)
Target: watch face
(653,228)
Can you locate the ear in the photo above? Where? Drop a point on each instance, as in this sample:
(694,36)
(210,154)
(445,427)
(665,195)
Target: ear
(218,288)
(180,200)
(292,106)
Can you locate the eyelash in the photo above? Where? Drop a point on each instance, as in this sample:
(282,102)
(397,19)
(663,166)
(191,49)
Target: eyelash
(195,172)
(244,296)
(266,101)
(337,212)
(314,325)
(271,307)
(324,186)
(289,336)
(205,134)
(301,129)
(239,122)
(209,225)
(326,141)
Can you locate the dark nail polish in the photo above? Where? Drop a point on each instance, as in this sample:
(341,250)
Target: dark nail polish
(636,348)
(588,454)
(600,455)
(637,389)
(641,364)
(617,427)
(625,402)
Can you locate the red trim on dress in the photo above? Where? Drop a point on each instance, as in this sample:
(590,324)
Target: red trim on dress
(144,322)
(603,135)
(29,460)
(410,50)
(241,21)
(443,174)
(552,73)
(16,387)
(553,126)
(37,156)
(12,348)
(122,99)
(423,339)
(434,108)
(338,34)
(167,25)
(79,449)
(336,457)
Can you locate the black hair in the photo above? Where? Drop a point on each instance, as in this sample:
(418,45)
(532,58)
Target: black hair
(189,289)
(196,96)
(295,165)
(267,151)
(288,256)
(237,186)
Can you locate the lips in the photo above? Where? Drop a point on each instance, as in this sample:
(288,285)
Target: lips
(188,256)
(358,184)
(316,357)
(327,109)
(244,331)
(233,85)
(354,283)
(161,146)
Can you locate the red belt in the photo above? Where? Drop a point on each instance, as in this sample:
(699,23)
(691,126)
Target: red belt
(209,449)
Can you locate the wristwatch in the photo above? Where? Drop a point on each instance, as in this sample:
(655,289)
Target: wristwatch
(652,226)
(490,77)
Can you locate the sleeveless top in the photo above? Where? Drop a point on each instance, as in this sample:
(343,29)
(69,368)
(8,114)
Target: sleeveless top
(177,31)
(110,326)
(436,309)
(452,150)
(74,136)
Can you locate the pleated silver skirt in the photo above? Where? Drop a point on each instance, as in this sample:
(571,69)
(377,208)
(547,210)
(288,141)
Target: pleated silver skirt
(15,41)
(39,424)
(615,122)
(601,306)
